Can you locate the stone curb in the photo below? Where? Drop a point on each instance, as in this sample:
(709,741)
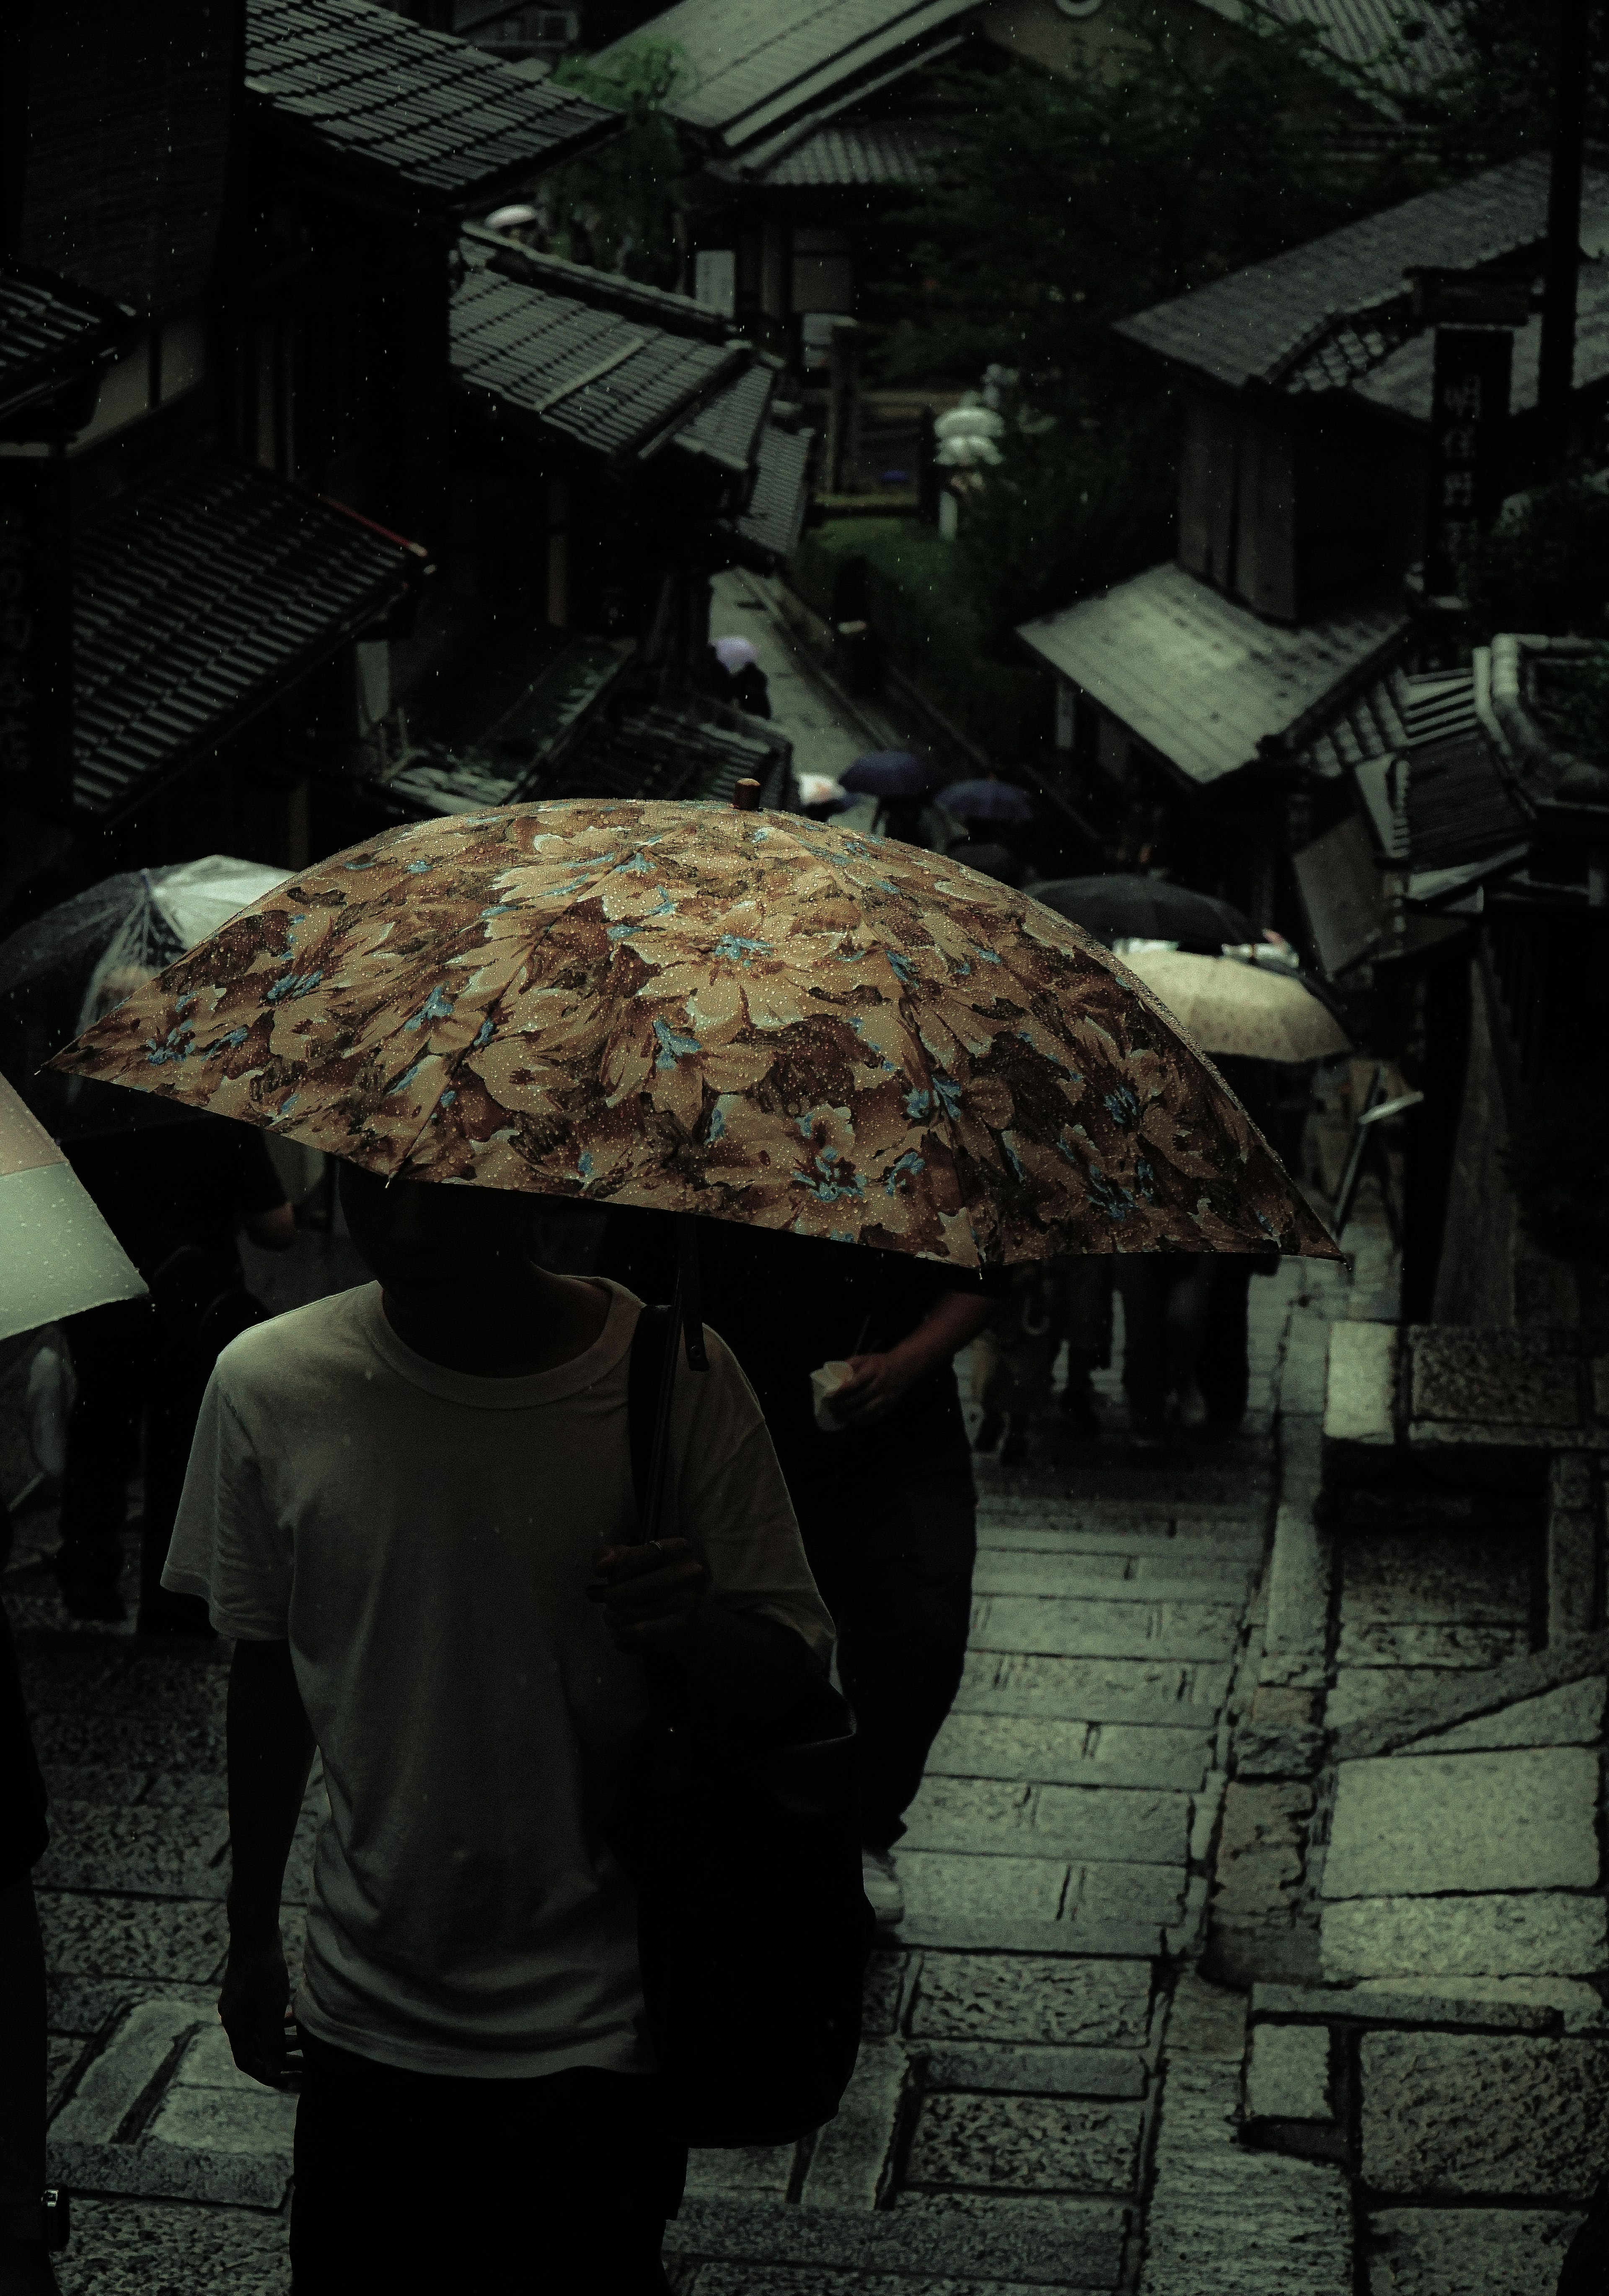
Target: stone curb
(1061,2243)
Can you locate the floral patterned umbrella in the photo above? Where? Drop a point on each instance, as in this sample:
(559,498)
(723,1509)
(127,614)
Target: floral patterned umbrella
(746,1015)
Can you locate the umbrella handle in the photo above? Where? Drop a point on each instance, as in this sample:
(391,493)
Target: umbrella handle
(745,796)
(686,1326)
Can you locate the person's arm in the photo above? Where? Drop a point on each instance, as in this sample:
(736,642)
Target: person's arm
(271,1231)
(269,1748)
(739,1658)
(879,1381)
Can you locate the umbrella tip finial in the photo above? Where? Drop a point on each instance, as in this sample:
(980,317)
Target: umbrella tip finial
(745,796)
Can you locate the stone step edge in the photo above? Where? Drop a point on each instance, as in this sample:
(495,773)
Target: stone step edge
(925,2242)
(1362,2005)
(1471,1693)
(1067,1940)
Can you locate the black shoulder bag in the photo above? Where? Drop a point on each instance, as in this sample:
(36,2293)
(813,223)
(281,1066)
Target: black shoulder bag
(742,1841)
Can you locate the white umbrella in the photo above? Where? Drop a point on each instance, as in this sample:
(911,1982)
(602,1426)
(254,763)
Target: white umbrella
(1249,1009)
(60,1256)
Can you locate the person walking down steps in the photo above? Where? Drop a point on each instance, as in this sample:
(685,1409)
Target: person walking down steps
(881,1481)
(396,1500)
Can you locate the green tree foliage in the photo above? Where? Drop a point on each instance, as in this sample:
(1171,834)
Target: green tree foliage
(1544,566)
(622,205)
(1495,103)
(1069,203)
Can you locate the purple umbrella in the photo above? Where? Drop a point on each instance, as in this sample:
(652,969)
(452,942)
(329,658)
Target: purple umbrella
(986,800)
(890,773)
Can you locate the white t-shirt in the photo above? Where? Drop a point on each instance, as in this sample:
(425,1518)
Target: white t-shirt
(423,1539)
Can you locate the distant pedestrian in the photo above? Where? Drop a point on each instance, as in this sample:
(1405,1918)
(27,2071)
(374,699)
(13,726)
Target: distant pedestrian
(174,1195)
(750,689)
(1051,1304)
(884,1493)
(396,1500)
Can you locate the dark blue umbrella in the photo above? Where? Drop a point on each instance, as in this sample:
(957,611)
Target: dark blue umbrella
(985,801)
(890,773)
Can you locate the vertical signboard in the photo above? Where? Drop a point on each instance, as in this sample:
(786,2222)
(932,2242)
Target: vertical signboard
(1469,422)
(35,639)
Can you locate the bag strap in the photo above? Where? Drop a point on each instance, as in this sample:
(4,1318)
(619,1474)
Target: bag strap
(644,1373)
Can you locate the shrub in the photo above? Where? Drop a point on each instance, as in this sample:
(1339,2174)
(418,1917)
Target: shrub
(1545,565)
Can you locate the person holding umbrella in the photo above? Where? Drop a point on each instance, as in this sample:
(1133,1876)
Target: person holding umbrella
(755,1017)
(901,782)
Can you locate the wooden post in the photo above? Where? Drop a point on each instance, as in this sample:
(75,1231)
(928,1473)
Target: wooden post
(745,796)
(843,405)
(927,470)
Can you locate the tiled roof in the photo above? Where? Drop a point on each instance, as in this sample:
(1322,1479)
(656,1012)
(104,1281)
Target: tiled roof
(195,601)
(1401,383)
(584,283)
(1397,712)
(1199,679)
(1361,31)
(857,151)
(729,427)
(611,383)
(1263,322)
(419,110)
(49,333)
(1460,807)
(697,750)
(752,66)
(772,524)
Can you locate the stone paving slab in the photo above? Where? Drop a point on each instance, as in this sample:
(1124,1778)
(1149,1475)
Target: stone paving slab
(1546,1932)
(1074,1629)
(1468,2252)
(1361,1692)
(777,2280)
(1118,1690)
(155,2248)
(1068,2003)
(1193,1552)
(1571,1716)
(1525,1819)
(1075,1934)
(1518,2005)
(1436,1579)
(752,2171)
(1438,1701)
(1062,2243)
(1024,2145)
(1377,1644)
(1083,1824)
(1069,1752)
(131,1936)
(1066,1578)
(1224,2217)
(1288,2073)
(148,1741)
(1457,2114)
(161,1852)
(1033,2071)
(84,2006)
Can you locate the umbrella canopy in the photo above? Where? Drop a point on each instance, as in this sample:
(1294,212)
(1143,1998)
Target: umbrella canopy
(736,653)
(743,1015)
(60,1256)
(1144,908)
(891,773)
(58,971)
(1248,1008)
(986,800)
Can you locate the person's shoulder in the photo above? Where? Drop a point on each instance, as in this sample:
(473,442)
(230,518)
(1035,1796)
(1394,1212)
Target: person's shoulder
(302,1343)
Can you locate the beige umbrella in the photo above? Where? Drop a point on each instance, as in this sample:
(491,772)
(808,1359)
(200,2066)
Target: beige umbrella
(59,1256)
(1229,1007)
(745,1015)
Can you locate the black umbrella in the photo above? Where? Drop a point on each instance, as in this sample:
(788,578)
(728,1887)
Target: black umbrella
(1145,908)
(891,773)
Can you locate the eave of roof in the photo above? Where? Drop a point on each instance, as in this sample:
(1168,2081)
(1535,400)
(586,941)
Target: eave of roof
(415,118)
(729,427)
(754,67)
(52,334)
(767,534)
(197,599)
(1253,326)
(606,381)
(1199,679)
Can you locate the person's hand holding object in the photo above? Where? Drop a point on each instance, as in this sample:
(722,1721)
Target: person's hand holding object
(875,1384)
(651,1593)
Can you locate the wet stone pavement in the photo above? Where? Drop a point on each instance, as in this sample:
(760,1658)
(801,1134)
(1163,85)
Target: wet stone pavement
(1000,2130)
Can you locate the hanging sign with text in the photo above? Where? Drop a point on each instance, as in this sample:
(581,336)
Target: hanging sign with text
(1469,424)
